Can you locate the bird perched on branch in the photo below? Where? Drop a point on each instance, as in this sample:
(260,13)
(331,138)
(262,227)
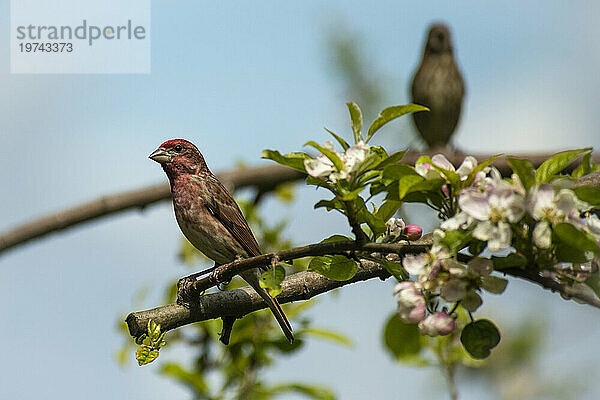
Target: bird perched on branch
(438,85)
(209,217)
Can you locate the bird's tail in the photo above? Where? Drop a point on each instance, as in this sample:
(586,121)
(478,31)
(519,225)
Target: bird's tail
(279,314)
(273,305)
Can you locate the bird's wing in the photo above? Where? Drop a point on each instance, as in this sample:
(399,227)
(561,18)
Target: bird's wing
(230,215)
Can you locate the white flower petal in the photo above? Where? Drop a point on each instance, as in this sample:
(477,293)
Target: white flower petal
(415,264)
(355,155)
(518,185)
(328,144)
(319,167)
(500,238)
(542,235)
(395,226)
(484,230)
(439,160)
(475,204)
(593,224)
(565,201)
(467,166)
(541,198)
(460,221)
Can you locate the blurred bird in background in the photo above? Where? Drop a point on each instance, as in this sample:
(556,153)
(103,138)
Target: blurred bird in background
(438,85)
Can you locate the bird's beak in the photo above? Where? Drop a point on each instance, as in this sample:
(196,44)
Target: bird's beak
(160,156)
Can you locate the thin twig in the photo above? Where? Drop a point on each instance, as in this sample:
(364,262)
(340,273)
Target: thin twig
(226,272)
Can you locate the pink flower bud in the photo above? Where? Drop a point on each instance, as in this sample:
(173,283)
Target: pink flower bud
(413,232)
(437,324)
(445,190)
(411,303)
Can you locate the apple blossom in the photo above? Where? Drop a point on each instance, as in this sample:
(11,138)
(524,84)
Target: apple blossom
(494,208)
(411,303)
(395,226)
(437,324)
(427,171)
(321,167)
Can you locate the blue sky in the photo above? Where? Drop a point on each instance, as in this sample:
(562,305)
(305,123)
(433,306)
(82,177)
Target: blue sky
(236,78)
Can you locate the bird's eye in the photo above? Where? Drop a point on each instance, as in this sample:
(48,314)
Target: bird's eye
(178,148)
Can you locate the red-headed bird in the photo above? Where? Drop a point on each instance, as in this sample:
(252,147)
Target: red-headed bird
(209,217)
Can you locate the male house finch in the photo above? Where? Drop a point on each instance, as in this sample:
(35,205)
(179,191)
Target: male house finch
(438,85)
(209,217)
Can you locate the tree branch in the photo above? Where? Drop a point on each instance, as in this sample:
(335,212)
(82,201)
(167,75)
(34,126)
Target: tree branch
(239,302)
(263,178)
(224,273)
(303,285)
(566,291)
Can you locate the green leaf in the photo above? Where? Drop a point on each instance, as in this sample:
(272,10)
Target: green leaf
(311,180)
(479,338)
(450,176)
(406,176)
(573,237)
(429,185)
(406,184)
(594,283)
(140,339)
(589,194)
(271,279)
(341,141)
(194,380)
(584,168)
(333,337)
(334,203)
(374,157)
(513,260)
(367,176)
(391,113)
(336,238)
(356,116)
(455,240)
(153,330)
(392,159)
(394,172)
(336,267)
(557,163)
(524,170)
(401,339)
(314,392)
(493,284)
(396,270)
(292,160)
(365,216)
(331,155)
(476,247)
(388,209)
(144,355)
(349,196)
(567,253)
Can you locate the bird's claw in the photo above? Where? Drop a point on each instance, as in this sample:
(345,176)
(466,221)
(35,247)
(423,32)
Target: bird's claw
(185,289)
